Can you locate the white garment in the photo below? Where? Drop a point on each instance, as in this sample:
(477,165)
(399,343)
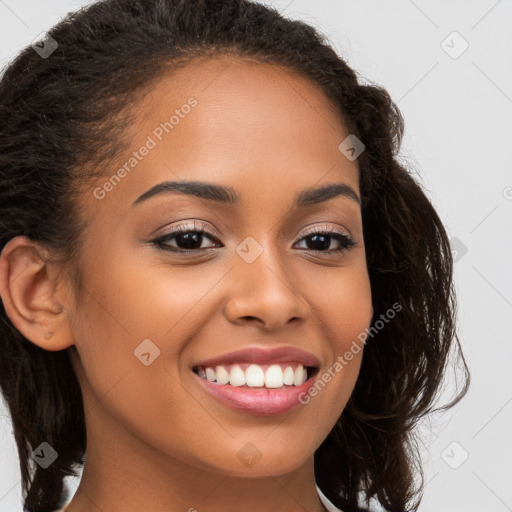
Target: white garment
(328,505)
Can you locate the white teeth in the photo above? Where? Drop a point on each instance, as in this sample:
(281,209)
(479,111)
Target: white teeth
(274,376)
(222,375)
(298,378)
(288,375)
(255,376)
(236,376)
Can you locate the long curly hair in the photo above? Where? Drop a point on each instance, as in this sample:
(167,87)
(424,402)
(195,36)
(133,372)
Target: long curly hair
(63,117)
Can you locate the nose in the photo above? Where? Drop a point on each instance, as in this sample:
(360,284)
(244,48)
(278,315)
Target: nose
(266,293)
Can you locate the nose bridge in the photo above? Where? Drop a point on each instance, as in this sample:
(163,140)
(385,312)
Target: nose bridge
(263,286)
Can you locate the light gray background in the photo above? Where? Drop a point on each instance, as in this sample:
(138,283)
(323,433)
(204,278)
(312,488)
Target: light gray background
(458,117)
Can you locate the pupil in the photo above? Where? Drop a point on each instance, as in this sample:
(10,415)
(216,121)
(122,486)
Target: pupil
(189,239)
(315,238)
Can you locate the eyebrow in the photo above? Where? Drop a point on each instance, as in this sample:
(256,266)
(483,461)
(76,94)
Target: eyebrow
(227,195)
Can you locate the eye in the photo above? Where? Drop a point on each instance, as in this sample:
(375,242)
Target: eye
(188,239)
(321,237)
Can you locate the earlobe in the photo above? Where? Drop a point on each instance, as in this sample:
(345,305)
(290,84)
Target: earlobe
(29,289)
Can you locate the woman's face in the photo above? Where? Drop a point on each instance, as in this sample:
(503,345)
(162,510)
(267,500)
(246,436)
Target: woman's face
(149,313)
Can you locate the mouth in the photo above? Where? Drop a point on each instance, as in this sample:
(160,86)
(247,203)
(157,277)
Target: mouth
(259,380)
(265,391)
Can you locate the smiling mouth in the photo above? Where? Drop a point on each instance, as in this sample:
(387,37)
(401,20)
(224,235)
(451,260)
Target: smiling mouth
(258,376)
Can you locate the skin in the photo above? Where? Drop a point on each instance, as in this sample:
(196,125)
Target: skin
(155,439)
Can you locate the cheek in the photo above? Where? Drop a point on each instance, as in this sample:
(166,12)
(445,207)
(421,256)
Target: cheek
(342,302)
(141,297)
(125,314)
(131,309)
(343,308)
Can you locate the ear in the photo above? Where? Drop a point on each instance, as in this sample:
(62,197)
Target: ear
(34,295)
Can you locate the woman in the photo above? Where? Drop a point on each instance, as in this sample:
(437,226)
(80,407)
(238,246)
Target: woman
(284,364)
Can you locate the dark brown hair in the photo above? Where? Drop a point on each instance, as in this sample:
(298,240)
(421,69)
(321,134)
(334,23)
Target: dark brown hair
(64,116)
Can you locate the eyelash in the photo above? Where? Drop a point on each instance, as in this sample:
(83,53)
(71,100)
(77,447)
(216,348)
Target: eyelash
(345,241)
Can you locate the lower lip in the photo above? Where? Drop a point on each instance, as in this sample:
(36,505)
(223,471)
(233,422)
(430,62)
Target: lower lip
(260,401)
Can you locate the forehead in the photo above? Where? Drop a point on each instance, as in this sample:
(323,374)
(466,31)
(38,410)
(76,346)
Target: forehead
(228,79)
(240,103)
(238,122)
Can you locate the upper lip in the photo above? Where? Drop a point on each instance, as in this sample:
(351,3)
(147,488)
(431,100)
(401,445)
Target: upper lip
(259,355)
